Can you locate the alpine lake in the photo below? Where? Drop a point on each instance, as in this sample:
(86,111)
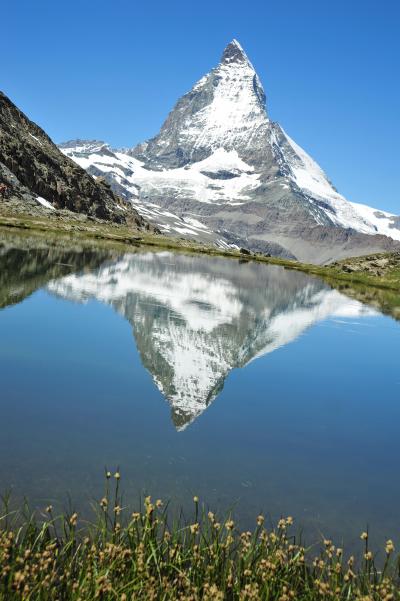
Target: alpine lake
(256,388)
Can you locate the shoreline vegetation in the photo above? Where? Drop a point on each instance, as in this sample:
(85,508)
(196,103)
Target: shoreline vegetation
(373,279)
(139,554)
(378,270)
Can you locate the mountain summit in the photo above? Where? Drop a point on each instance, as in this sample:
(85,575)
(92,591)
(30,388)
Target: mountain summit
(220,166)
(234,53)
(220,112)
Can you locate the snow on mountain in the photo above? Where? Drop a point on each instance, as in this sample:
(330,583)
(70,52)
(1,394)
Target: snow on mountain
(195,320)
(310,178)
(383,222)
(238,103)
(127,176)
(220,162)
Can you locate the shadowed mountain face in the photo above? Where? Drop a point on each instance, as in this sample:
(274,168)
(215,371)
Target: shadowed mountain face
(196,319)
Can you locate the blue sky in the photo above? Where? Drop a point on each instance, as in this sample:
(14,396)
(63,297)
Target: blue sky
(113,70)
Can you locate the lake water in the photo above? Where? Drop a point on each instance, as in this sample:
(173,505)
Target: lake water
(254,387)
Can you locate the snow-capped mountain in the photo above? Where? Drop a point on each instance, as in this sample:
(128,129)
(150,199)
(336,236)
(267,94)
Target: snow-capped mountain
(221,171)
(194,320)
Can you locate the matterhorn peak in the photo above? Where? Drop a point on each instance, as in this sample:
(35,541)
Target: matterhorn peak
(234,53)
(220,163)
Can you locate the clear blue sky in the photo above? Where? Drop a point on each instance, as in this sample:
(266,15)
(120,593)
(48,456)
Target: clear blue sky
(112,71)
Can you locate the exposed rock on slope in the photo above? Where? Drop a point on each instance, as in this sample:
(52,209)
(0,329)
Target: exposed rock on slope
(36,172)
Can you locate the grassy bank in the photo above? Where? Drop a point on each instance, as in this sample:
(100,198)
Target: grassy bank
(139,554)
(379,270)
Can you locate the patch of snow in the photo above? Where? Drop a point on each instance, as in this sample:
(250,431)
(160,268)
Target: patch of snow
(45,203)
(310,178)
(35,138)
(381,220)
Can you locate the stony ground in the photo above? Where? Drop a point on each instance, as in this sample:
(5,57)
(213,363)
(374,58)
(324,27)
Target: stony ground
(378,265)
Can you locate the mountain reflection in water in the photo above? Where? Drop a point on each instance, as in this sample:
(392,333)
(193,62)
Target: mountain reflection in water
(196,319)
(309,430)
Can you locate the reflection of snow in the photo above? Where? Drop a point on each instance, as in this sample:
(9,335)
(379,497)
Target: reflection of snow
(286,327)
(202,302)
(196,319)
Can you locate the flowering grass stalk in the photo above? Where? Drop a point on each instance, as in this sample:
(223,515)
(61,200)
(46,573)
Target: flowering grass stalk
(124,555)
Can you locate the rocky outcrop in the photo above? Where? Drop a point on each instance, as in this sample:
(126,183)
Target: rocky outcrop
(35,171)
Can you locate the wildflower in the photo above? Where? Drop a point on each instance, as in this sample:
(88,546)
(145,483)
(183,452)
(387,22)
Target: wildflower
(104,502)
(211,516)
(117,510)
(159,503)
(194,528)
(135,516)
(368,555)
(49,508)
(349,575)
(149,506)
(289,520)
(364,535)
(195,499)
(117,475)
(108,475)
(260,520)
(389,548)
(73,519)
(229,525)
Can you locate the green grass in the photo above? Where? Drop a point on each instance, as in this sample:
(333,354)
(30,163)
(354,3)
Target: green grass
(121,237)
(139,554)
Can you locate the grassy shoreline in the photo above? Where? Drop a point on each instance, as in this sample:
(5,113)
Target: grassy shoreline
(138,554)
(356,271)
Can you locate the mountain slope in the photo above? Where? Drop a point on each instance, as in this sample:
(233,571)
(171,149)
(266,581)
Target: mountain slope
(220,160)
(38,174)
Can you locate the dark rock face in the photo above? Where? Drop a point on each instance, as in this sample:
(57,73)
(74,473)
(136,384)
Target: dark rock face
(31,166)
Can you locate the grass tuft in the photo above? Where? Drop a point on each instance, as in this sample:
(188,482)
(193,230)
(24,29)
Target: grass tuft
(138,555)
